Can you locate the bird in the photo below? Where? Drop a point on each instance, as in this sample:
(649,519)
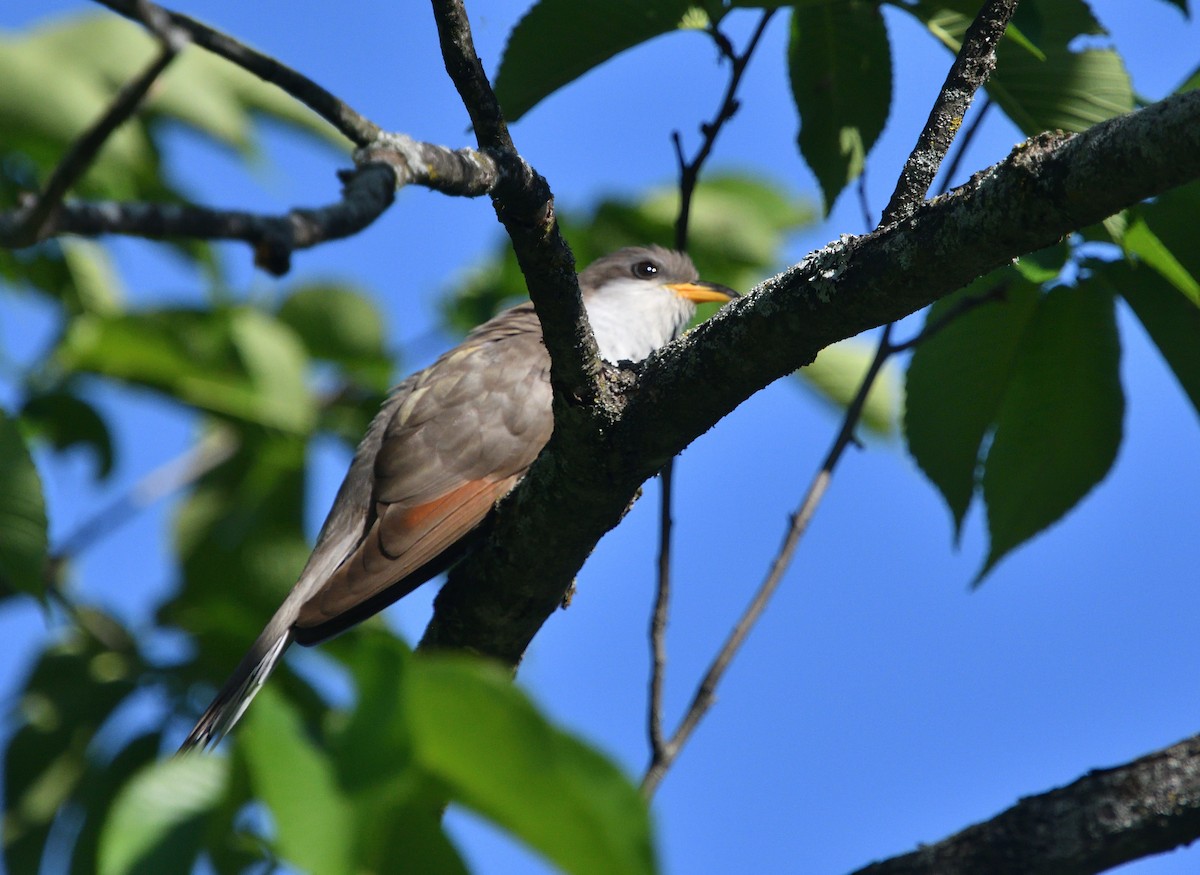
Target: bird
(447,444)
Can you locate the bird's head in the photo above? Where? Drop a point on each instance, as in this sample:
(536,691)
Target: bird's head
(642,297)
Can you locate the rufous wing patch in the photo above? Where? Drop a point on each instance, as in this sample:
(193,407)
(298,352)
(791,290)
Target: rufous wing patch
(401,541)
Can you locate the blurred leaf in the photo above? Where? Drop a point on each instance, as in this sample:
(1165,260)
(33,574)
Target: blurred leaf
(23,538)
(840,66)
(99,788)
(76,273)
(557,41)
(956,383)
(96,285)
(341,325)
(1067,90)
(61,75)
(314,826)
(237,362)
(157,822)
(70,692)
(242,525)
(1171,320)
(397,808)
(67,421)
(837,373)
(477,733)
(1059,425)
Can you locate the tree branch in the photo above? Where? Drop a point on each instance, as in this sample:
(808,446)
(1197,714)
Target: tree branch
(970,70)
(35,219)
(580,487)
(356,128)
(661,751)
(367,192)
(525,206)
(1104,819)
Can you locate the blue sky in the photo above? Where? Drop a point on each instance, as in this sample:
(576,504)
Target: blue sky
(880,703)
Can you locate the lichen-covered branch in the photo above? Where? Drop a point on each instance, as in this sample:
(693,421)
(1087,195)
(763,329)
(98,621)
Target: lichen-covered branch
(1106,818)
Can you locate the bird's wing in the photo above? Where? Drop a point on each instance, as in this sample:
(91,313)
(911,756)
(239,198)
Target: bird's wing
(451,441)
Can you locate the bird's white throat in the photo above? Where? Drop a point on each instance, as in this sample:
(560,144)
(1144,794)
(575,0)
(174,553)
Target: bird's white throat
(631,318)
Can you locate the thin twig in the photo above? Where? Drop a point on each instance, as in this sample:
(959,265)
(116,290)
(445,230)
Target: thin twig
(178,473)
(961,308)
(970,70)
(83,151)
(367,191)
(689,175)
(355,127)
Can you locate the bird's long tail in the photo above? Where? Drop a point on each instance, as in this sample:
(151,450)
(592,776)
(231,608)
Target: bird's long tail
(233,699)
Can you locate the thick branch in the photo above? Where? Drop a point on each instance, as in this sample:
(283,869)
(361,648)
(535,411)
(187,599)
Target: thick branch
(525,206)
(1104,819)
(581,485)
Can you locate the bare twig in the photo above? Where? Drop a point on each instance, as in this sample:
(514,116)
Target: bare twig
(37,213)
(179,473)
(689,175)
(972,66)
(356,128)
(975,61)
(366,193)
(966,305)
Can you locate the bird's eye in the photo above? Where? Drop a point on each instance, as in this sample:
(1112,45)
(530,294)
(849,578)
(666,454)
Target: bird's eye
(644,270)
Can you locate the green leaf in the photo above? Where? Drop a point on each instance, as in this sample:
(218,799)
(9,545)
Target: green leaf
(71,691)
(1171,320)
(67,421)
(340,325)
(837,373)
(1068,90)
(479,735)
(1140,241)
(956,382)
(840,67)
(397,807)
(559,40)
(237,362)
(314,826)
(157,822)
(1059,425)
(23,539)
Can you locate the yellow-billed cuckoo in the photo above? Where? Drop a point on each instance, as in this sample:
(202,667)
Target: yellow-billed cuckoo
(449,442)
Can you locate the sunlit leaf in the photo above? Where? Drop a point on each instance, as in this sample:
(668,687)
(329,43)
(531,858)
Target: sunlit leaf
(312,816)
(341,325)
(1171,320)
(483,739)
(1069,89)
(837,373)
(237,362)
(157,823)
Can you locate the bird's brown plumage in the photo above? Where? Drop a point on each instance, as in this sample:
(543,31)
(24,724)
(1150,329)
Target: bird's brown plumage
(450,441)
